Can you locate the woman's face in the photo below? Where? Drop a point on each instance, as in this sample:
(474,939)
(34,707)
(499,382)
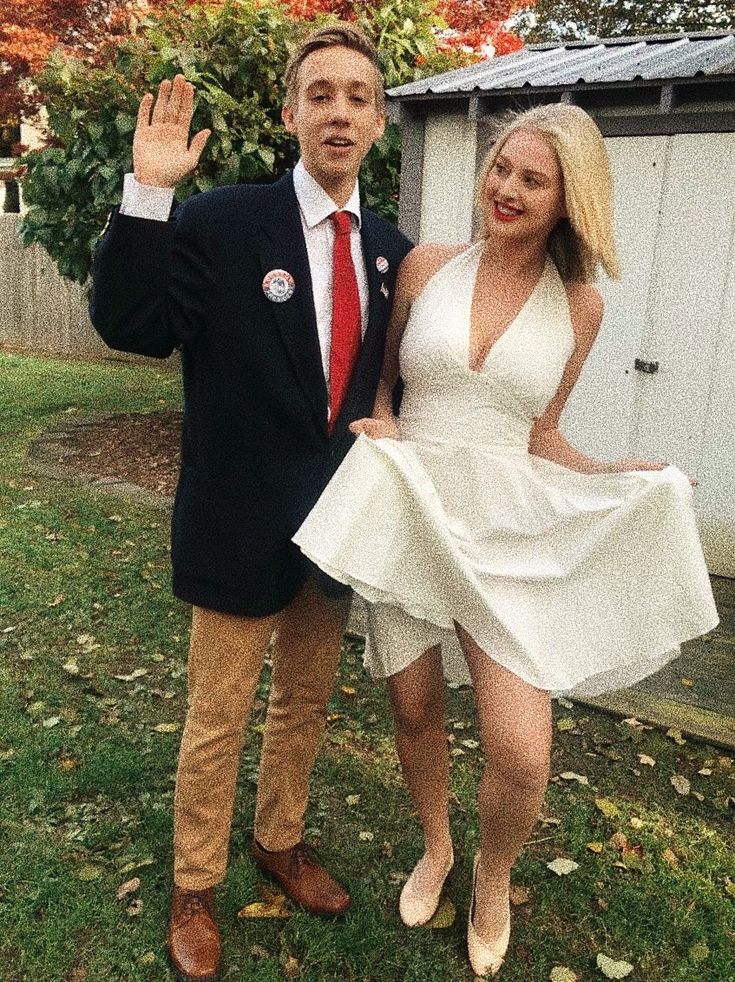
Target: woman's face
(523,195)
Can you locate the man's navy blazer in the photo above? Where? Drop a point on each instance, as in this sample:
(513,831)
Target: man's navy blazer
(256,453)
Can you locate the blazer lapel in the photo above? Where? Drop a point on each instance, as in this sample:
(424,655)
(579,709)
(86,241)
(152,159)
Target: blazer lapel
(283,247)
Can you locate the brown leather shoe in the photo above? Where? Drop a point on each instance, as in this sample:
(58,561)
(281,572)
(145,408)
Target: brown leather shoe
(302,878)
(193,936)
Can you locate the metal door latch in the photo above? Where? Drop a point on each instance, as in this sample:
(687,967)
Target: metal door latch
(649,367)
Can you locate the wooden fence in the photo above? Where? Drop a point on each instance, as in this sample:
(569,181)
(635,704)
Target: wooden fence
(42,312)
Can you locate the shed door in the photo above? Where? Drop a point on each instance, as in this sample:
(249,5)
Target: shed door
(675,212)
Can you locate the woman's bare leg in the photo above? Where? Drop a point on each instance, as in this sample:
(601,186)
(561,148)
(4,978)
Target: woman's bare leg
(515,724)
(417,699)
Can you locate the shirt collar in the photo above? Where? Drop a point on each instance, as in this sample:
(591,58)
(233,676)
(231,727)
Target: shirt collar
(315,203)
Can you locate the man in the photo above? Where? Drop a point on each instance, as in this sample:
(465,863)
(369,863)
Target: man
(279,306)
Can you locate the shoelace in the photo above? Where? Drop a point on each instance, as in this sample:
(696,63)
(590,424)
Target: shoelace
(300,856)
(193,905)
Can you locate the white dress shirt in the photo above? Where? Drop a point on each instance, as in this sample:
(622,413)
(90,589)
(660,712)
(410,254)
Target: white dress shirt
(315,207)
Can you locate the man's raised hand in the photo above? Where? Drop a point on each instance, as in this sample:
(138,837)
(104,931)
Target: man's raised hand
(162,154)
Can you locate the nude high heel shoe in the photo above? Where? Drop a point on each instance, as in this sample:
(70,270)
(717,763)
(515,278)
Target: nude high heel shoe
(416,907)
(485,959)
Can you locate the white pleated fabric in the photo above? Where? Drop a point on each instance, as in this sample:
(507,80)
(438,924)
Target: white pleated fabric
(577,583)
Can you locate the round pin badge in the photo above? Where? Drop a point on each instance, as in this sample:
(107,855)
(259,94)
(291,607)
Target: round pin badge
(382,263)
(278,285)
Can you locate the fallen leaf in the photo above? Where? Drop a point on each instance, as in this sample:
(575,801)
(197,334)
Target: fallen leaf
(67,764)
(291,967)
(571,776)
(58,599)
(729,886)
(87,643)
(670,858)
(566,724)
(353,799)
(676,736)
(705,771)
(612,969)
(608,808)
(725,762)
(562,867)
(637,823)
(348,690)
(697,795)
(148,958)
(519,896)
(51,722)
(619,840)
(681,784)
(596,847)
(445,915)
(566,703)
(549,820)
(129,886)
(560,973)
(71,667)
(167,727)
(688,683)
(135,908)
(648,761)
(264,909)
(699,952)
(366,836)
(137,673)
(89,873)
(470,744)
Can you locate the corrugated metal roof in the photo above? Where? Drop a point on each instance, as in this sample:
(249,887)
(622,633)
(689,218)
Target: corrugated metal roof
(588,62)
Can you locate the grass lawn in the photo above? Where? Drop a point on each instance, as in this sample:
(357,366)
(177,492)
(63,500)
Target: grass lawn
(92,697)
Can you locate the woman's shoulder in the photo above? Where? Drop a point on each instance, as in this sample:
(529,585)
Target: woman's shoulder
(422,262)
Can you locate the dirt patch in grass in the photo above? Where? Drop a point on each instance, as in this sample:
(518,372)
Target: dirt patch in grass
(144,449)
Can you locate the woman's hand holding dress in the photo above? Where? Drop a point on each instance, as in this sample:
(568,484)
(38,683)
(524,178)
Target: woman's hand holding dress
(377,428)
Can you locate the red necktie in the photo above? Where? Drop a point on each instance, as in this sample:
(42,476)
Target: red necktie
(346,316)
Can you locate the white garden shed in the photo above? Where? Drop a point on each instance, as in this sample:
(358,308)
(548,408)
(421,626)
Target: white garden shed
(660,382)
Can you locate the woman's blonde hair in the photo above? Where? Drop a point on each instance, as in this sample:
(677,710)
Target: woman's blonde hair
(586,239)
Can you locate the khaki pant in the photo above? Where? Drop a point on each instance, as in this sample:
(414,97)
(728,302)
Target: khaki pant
(225,660)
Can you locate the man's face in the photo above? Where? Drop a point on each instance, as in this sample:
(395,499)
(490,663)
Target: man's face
(335,115)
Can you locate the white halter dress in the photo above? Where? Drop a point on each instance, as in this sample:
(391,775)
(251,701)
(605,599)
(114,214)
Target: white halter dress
(575,582)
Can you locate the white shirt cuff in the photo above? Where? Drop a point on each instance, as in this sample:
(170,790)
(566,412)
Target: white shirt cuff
(145,201)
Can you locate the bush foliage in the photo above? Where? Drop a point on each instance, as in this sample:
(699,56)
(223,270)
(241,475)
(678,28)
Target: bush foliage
(235,56)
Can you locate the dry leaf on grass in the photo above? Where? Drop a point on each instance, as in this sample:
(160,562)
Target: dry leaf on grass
(608,808)
(560,973)
(272,905)
(291,967)
(680,784)
(612,969)
(129,886)
(572,776)
(596,847)
(675,735)
(562,867)
(445,916)
(519,896)
(167,727)
(648,761)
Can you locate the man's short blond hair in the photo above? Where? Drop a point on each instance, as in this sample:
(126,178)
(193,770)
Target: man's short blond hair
(334,36)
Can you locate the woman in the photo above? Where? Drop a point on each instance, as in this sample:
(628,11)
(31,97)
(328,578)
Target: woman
(487,545)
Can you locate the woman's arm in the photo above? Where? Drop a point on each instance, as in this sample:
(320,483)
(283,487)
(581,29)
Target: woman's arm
(586,306)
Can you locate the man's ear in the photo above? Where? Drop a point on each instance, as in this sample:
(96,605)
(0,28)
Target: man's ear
(380,125)
(288,119)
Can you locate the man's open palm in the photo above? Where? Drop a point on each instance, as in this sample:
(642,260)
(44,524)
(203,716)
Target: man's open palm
(162,154)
